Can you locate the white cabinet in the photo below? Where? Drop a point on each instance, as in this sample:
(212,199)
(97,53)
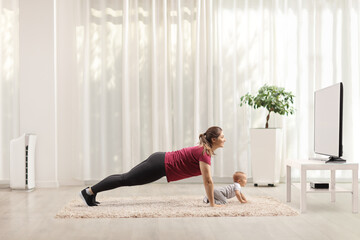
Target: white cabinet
(266,147)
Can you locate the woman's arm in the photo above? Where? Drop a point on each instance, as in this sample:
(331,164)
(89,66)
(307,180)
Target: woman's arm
(208,182)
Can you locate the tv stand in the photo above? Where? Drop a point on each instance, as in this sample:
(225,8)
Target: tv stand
(305,165)
(335,160)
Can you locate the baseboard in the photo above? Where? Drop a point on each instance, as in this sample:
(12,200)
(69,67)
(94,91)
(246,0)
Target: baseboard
(192,180)
(338,180)
(38,184)
(4,184)
(46,184)
(71,182)
(198,180)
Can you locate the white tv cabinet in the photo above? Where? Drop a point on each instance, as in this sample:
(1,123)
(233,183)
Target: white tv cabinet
(304,165)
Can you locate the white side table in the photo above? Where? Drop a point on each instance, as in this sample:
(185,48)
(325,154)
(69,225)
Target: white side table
(304,165)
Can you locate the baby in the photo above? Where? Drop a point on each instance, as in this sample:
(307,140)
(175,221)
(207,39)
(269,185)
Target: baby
(230,191)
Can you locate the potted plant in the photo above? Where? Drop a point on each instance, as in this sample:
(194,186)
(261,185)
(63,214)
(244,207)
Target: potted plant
(266,145)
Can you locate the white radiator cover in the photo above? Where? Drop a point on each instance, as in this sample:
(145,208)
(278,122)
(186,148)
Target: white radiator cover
(22,162)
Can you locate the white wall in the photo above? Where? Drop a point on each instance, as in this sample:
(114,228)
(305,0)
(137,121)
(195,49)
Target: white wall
(37,84)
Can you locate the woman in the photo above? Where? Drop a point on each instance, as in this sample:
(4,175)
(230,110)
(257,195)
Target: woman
(177,165)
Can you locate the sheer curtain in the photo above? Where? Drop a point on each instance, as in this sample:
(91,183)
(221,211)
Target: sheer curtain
(9,118)
(153,75)
(145,87)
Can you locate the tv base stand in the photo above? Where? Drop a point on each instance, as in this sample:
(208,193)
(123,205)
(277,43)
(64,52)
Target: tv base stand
(336,160)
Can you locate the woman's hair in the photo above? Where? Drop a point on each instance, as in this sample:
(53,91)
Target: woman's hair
(206,139)
(239,176)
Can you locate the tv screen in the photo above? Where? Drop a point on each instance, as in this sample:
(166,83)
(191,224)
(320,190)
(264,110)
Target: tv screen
(328,118)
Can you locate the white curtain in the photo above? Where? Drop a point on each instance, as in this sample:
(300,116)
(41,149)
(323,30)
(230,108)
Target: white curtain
(155,74)
(9,116)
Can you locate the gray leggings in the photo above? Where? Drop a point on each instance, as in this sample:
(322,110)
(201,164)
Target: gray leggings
(219,197)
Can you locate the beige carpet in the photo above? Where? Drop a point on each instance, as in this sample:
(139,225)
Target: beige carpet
(174,206)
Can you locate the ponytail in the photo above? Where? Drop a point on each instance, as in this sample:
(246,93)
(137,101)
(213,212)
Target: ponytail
(206,145)
(205,139)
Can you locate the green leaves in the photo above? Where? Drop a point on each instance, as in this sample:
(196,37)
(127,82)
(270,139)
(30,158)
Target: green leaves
(274,99)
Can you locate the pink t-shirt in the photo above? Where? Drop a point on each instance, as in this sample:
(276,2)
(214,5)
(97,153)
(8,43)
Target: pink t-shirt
(184,163)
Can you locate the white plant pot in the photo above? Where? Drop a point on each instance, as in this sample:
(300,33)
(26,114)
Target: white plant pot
(266,146)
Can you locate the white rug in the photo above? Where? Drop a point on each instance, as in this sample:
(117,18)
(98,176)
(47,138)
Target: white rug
(174,206)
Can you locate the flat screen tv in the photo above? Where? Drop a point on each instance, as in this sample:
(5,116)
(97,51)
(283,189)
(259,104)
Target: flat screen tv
(328,122)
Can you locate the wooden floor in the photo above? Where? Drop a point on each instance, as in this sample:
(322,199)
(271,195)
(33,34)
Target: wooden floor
(30,215)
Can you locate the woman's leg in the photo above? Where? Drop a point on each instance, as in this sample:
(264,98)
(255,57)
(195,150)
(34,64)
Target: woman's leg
(150,170)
